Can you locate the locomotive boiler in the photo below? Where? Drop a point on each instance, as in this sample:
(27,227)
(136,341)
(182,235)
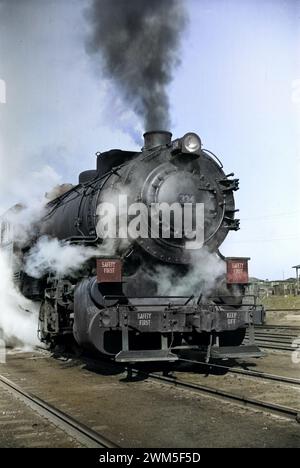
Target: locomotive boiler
(114,304)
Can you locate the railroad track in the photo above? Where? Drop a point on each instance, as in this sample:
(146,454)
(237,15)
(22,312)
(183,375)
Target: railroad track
(93,439)
(278,327)
(282,310)
(246,372)
(277,341)
(164,377)
(291,413)
(280,333)
(132,371)
(74,428)
(273,346)
(280,338)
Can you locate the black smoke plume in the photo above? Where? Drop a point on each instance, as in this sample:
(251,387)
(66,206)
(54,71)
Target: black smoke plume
(138,42)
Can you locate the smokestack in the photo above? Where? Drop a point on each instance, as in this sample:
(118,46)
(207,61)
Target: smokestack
(137,44)
(157,138)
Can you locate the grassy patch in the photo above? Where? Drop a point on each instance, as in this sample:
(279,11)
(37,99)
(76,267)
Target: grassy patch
(281,302)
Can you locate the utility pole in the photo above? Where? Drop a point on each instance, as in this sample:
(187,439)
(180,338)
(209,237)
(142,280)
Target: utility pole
(297,268)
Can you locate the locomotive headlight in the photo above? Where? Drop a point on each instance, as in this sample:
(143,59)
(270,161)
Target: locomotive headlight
(191,142)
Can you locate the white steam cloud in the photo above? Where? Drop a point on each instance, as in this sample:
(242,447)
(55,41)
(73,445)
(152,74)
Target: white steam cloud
(202,277)
(18,315)
(61,258)
(50,255)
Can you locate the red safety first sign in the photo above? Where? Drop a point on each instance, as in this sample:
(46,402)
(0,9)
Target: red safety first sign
(109,270)
(237,270)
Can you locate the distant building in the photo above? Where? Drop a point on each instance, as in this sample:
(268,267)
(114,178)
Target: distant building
(265,288)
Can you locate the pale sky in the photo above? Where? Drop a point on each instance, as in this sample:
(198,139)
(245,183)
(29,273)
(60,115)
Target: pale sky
(236,87)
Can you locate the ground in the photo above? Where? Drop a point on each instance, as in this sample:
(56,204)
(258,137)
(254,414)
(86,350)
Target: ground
(143,413)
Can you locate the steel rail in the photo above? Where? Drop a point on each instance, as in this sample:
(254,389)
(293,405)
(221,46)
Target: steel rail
(65,422)
(282,310)
(277,327)
(275,346)
(286,411)
(291,413)
(275,335)
(247,372)
(266,339)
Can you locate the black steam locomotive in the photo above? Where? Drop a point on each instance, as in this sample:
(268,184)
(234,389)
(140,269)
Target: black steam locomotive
(114,302)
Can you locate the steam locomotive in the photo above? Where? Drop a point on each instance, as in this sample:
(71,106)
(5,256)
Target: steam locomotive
(114,304)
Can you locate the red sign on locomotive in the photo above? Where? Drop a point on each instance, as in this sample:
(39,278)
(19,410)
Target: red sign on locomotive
(237,270)
(109,270)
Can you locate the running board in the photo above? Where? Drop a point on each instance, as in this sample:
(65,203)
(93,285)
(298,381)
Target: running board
(146,355)
(236,352)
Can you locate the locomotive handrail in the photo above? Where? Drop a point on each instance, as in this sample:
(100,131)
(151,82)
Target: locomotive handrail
(212,154)
(219,307)
(59,201)
(184,304)
(117,296)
